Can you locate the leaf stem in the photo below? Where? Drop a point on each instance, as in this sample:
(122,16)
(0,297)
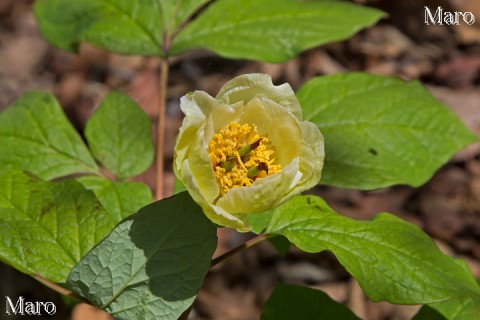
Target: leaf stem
(250,243)
(58,288)
(162,99)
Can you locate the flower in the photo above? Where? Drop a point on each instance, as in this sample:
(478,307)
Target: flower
(247,150)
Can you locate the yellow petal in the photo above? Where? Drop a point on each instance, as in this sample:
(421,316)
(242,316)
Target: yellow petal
(246,87)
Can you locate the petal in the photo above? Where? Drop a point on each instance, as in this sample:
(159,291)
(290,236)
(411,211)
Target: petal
(190,183)
(193,120)
(279,125)
(195,133)
(215,214)
(312,155)
(198,103)
(221,116)
(263,194)
(201,166)
(223,218)
(246,87)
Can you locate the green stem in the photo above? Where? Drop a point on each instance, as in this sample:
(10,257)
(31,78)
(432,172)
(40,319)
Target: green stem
(250,243)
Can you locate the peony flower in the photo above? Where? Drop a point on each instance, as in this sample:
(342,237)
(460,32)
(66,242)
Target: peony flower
(247,150)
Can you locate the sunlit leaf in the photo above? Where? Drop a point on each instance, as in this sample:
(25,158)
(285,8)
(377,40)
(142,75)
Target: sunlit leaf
(46,227)
(36,136)
(391,259)
(119,134)
(272,30)
(380,130)
(129,27)
(120,199)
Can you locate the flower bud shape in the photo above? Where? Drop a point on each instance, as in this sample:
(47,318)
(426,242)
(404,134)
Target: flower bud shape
(247,150)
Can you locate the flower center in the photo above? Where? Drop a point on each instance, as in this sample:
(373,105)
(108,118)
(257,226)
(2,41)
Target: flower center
(240,156)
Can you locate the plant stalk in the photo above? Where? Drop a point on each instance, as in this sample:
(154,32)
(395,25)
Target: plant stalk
(162,100)
(250,243)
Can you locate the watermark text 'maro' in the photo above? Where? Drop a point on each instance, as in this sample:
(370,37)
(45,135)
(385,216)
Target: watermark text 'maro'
(441,17)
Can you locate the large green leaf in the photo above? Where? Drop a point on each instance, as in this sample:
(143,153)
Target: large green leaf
(462,308)
(46,227)
(289,302)
(391,259)
(272,30)
(128,27)
(177,12)
(379,130)
(152,264)
(35,136)
(120,199)
(119,134)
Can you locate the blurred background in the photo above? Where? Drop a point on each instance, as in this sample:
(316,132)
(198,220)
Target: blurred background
(445,58)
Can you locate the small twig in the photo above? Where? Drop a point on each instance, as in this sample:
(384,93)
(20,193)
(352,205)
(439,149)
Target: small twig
(58,288)
(250,243)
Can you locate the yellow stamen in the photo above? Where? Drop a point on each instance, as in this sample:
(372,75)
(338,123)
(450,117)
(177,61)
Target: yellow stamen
(235,150)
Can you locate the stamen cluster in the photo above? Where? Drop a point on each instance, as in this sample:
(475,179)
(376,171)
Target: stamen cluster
(240,156)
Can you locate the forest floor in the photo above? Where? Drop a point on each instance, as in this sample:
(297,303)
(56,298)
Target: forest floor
(445,58)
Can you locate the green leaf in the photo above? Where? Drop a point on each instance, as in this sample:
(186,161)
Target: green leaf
(152,264)
(47,227)
(120,136)
(120,199)
(35,136)
(392,260)
(289,302)
(380,131)
(128,27)
(281,244)
(462,308)
(427,313)
(272,30)
(177,12)
(259,221)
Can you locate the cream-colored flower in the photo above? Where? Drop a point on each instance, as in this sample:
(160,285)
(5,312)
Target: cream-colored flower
(247,150)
